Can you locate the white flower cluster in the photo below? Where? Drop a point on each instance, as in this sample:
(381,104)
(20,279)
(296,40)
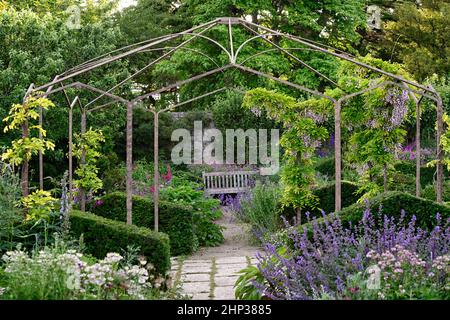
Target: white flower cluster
(98,280)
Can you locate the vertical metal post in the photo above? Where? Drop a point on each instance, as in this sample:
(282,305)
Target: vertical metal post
(440,151)
(418,147)
(337,155)
(129,147)
(41,156)
(83,158)
(156,170)
(70,152)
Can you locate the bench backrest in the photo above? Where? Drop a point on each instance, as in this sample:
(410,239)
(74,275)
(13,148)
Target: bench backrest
(228,182)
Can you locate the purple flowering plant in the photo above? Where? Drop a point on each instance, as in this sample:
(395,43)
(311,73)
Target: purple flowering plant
(323,258)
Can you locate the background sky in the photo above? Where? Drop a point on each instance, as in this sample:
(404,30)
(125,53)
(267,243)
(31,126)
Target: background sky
(126,3)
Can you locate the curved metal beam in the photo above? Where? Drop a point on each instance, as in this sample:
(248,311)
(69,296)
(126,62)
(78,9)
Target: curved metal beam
(182,82)
(142,43)
(384,84)
(288,83)
(167,54)
(341,56)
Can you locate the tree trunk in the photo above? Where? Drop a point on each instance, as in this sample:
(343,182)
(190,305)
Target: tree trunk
(299,216)
(385,178)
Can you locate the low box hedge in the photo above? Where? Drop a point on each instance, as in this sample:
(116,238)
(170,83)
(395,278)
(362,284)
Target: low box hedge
(174,219)
(391,204)
(103,235)
(426,173)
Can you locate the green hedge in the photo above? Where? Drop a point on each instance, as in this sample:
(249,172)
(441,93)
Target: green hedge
(101,235)
(326,166)
(326,200)
(391,204)
(174,219)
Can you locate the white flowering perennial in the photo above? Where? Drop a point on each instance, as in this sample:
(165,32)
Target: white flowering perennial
(105,279)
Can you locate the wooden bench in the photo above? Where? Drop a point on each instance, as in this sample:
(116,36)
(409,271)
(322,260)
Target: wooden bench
(228,182)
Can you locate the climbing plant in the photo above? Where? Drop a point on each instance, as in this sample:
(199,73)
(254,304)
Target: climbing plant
(303,134)
(87,151)
(22,117)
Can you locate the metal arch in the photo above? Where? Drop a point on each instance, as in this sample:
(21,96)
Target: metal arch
(188,49)
(123,55)
(194,36)
(293,57)
(341,56)
(80,85)
(288,83)
(179,83)
(270,50)
(384,84)
(104,60)
(169,36)
(251,39)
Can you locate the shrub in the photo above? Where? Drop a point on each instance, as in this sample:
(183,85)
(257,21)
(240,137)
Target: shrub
(175,219)
(205,210)
(392,204)
(261,208)
(9,195)
(426,173)
(326,196)
(325,166)
(319,263)
(101,235)
(58,273)
(398,274)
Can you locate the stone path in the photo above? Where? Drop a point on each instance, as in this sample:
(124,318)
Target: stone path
(212,272)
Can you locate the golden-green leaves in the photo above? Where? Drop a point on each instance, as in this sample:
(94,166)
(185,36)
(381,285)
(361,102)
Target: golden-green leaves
(20,118)
(39,205)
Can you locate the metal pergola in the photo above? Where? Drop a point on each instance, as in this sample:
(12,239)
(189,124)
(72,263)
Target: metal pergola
(67,80)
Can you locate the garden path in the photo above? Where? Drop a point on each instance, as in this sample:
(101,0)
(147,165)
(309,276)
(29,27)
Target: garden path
(211,272)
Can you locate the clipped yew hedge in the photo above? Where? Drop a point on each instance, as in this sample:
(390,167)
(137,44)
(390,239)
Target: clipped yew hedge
(174,219)
(101,235)
(391,204)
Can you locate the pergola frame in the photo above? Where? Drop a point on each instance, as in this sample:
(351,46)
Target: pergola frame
(260,32)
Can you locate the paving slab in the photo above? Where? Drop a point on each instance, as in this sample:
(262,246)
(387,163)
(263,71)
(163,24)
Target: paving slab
(197,277)
(225,281)
(196,287)
(224,293)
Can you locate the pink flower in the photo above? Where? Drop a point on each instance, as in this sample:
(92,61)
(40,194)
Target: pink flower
(167,177)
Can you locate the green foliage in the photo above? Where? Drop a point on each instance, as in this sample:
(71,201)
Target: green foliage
(62,272)
(9,196)
(244,287)
(445,143)
(261,209)
(417,36)
(175,219)
(88,145)
(392,204)
(205,210)
(19,118)
(228,113)
(297,174)
(326,200)
(38,205)
(325,166)
(101,235)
